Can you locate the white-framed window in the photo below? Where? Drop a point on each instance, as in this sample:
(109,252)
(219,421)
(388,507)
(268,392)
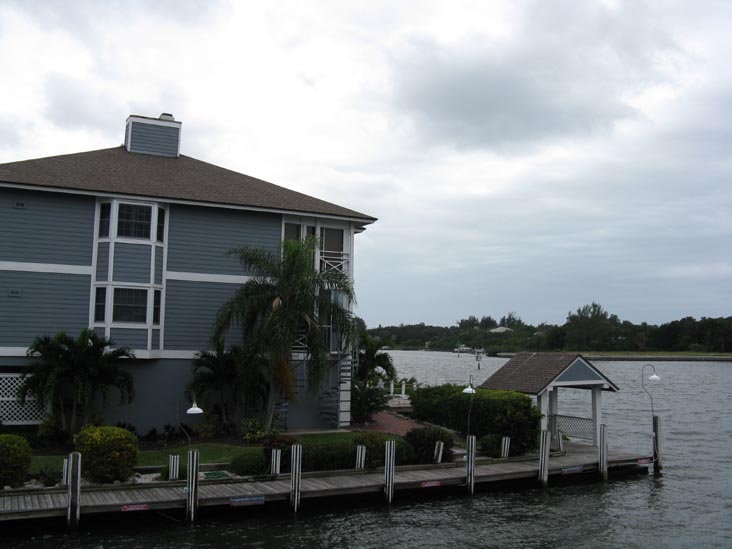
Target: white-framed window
(134,221)
(129,305)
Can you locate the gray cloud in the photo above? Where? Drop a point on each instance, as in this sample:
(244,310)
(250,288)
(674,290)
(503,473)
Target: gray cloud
(564,74)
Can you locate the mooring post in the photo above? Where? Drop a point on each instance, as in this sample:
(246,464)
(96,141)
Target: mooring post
(391,387)
(602,451)
(295,476)
(505,447)
(439,447)
(544,458)
(73,490)
(173,466)
(560,441)
(657,467)
(65,473)
(389,463)
(275,462)
(404,389)
(360,456)
(470,464)
(192,486)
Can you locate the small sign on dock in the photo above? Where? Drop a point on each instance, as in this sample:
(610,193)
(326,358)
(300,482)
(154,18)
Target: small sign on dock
(430,484)
(573,470)
(246,501)
(136,507)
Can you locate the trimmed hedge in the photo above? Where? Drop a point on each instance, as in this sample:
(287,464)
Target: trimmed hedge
(500,413)
(423,441)
(249,463)
(374,442)
(15,459)
(107,453)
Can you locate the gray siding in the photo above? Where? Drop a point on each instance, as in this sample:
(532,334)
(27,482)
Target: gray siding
(154,139)
(155,340)
(579,372)
(198,238)
(190,311)
(99,331)
(47,303)
(130,337)
(132,262)
(102,260)
(49,228)
(158,265)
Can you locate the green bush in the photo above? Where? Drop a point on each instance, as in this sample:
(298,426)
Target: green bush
(50,434)
(253,430)
(423,441)
(328,456)
(107,453)
(49,476)
(374,442)
(502,413)
(15,459)
(249,463)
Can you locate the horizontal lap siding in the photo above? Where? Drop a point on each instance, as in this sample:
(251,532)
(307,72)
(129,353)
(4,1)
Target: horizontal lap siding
(129,337)
(103,261)
(51,228)
(199,238)
(158,265)
(48,303)
(156,339)
(132,262)
(154,139)
(190,311)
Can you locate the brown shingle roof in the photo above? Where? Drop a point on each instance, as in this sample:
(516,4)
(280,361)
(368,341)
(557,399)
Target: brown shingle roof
(184,178)
(530,373)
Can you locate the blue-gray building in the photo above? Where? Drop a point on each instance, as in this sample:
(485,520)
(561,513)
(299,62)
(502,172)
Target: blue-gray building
(132,241)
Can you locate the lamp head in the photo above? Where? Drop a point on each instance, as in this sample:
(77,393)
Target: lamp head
(654,377)
(194,409)
(469,390)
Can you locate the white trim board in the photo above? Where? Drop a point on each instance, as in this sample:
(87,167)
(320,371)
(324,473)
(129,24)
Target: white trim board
(206,277)
(46,268)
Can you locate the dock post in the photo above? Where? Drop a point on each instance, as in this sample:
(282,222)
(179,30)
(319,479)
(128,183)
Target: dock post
(505,447)
(560,441)
(192,486)
(360,456)
(470,464)
(389,463)
(73,490)
(65,473)
(602,451)
(544,458)
(439,447)
(657,467)
(391,388)
(173,466)
(276,461)
(404,389)
(295,476)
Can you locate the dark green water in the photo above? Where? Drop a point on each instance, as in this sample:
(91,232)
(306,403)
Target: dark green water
(690,506)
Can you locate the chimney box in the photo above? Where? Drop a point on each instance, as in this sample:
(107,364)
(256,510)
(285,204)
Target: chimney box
(157,136)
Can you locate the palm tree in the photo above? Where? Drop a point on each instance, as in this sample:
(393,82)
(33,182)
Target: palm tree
(373,366)
(234,380)
(71,373)
(285,301)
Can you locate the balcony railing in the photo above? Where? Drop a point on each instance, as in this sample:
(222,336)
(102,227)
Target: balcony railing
(334,261)
(572,426)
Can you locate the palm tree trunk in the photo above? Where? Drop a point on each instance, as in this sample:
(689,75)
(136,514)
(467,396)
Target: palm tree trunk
(73,415)
(62,412)
(271,403)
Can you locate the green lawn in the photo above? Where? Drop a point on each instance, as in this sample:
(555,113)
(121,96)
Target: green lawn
(211,452)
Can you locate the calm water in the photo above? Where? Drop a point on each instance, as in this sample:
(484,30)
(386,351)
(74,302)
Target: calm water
(690,506)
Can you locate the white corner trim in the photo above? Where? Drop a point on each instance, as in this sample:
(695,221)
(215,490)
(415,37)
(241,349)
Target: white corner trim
(206,277)
(13,351)
(46,268)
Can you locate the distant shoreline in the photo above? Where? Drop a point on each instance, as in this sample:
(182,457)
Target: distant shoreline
(646,358)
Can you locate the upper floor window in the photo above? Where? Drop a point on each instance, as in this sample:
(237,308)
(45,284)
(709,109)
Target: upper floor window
(134,221)
(105,214)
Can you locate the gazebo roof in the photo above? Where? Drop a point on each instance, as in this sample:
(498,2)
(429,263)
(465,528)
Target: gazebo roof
(532,373)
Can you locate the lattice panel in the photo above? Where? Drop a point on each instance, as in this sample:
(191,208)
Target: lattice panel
(12,412)
(572,426)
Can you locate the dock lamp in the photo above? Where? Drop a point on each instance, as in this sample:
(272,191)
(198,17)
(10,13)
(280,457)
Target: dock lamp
(653,377)
(192,411)
(469,390)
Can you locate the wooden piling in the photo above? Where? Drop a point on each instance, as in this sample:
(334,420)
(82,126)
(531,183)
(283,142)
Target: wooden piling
(470,464)
(439,448)
(295,476)
(192,486)
(360,456)
(602,452)
(657,466)
(389,463)
(505,447)
(173,466)
(275,462)
(544,458)
(73,490)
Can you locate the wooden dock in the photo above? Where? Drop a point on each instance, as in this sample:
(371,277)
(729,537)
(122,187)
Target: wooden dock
(17,505)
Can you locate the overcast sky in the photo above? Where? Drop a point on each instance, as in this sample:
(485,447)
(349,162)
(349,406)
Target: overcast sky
(520,156)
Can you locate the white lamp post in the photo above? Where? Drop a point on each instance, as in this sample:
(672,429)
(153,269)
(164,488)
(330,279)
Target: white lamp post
(652,377)
(469,390)
(192,411)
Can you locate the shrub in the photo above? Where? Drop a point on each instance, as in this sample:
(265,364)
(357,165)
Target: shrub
(274,441)
(423,441)
(490,445)
(503,413)
(254,432)
(374,442)
(51,435)
(249,463)
(328,456)
(15,459)
(108,453)
(49,476)
(210,426)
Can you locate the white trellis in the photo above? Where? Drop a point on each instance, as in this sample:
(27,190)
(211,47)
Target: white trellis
(12,412)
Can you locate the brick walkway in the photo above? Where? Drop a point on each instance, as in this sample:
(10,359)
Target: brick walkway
(389,422)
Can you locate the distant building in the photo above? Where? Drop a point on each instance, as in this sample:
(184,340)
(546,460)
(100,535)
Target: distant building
(500,330)
(132,241)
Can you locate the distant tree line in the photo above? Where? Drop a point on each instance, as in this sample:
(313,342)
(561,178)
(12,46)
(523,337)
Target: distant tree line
(589,328)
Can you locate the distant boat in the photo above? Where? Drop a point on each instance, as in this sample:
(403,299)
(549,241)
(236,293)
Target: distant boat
(462,349)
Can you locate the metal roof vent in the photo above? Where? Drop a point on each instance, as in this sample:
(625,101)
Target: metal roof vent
(167,116)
